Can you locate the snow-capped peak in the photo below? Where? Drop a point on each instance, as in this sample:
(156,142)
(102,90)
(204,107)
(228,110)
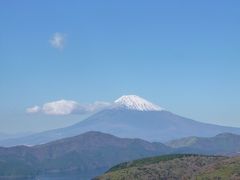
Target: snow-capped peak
(134,102)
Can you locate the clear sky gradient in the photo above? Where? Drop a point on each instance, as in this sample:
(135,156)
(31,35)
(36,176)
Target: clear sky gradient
(181,55)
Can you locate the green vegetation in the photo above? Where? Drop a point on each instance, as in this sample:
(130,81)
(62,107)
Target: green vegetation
(176,167)
(227,169)
(150,160)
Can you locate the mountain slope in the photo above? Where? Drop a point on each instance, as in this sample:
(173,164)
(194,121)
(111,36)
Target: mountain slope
(163,167)
(88,154)
(92,153)
(225,143)
(130,117)
(225,169)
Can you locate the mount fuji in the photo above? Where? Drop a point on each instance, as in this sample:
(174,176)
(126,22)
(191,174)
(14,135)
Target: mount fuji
(133,102)
(130,117)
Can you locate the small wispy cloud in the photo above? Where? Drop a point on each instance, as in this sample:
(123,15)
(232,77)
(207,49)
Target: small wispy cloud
(66,107)
(34,109)
(58,40)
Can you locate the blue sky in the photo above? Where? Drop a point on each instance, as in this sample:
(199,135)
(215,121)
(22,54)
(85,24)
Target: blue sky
(184,56)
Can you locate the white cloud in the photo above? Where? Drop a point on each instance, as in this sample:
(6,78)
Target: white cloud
(66,107)
(57,40)
(61,107)
(97,106)
(33,109)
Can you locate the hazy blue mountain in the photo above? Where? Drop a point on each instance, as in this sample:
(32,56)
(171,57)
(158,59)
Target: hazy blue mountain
(4,136)
(85,155)
(225,143)
(158,126)
(92,153)
(131,117)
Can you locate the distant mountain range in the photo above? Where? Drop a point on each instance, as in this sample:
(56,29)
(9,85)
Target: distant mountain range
(130,117)
(224,144)
(4,136)
(176,167)
(92,153)
(87,155)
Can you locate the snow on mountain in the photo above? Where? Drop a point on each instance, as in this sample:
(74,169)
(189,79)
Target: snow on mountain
(133,102)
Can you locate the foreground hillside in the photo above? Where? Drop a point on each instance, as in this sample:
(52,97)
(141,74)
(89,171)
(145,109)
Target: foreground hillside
(176,167)
(225,169)
(85,155)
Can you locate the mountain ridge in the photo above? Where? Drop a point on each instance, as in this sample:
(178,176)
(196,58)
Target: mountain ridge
(90,153)
(158,126)
(224,143)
